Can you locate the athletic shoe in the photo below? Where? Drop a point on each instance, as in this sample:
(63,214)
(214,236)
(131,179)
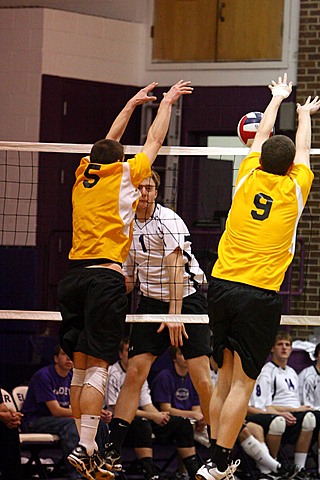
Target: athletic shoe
(82,462)
(302,475)
(103,475)
(182,476)
(268,476)
(150,470)
(288,471)
(208,473)
(111,460)
(101,472)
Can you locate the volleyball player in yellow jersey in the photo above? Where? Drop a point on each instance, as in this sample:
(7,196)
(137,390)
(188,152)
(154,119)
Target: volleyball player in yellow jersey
(93,294)
(254,252)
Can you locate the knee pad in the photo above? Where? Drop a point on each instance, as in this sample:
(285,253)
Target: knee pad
(78,377)
(277,426)
(97,378)
(308,422)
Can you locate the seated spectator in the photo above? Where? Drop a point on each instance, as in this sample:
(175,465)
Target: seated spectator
(309,381)
(173,392)
(47,407)
(277,391)
(166,429)
(260,439)
(10,460)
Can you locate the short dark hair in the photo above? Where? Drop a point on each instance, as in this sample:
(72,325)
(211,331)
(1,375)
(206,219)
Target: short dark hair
(106,151)
(57,350)
(277,154)
(156,178)
(123,342)
(173,352)
(317,350)
(283,335)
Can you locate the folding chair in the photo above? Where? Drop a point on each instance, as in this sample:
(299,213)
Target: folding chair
(19,395)
(34,443)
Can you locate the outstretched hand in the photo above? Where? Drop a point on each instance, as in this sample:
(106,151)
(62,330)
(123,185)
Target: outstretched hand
(143,97)
(176,332)
(309,106)
(175,92)
(281,87)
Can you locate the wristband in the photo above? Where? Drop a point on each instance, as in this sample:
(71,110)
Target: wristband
(280,90)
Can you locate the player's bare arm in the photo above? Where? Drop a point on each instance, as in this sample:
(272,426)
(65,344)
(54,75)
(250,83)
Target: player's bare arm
(303,135)
(158,130)
(120,124)
(175,267)
(280,90)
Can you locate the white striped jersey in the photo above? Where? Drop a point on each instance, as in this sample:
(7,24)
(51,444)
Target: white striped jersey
(309,379)
(276,386)
(152,242)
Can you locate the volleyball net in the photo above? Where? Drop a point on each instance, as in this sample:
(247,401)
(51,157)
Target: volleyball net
(36,181)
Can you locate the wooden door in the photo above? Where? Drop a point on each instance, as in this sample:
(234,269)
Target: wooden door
(249,30)
(184,30)
(217,31)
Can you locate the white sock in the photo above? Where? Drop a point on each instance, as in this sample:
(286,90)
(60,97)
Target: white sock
(300,459)
(272,462)
(89,427)
(260,453)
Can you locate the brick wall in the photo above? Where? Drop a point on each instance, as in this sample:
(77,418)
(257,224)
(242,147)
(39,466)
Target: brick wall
(308,83)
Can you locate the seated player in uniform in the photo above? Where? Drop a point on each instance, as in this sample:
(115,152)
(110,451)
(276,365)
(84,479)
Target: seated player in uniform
(277,391)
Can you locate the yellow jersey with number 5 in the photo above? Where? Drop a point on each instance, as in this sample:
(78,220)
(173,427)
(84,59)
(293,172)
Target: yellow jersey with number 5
(104,200)
(258,243)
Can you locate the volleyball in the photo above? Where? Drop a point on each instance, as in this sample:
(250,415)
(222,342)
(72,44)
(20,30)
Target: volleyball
(248,126)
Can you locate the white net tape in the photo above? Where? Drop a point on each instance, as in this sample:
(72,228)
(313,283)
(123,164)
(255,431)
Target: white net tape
(129,149)
(28,315)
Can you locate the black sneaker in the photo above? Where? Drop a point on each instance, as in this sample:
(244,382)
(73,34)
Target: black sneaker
(82,462)
(150,470)
(302,475)
(101,472)
(111,460)
(289,471)
(268,476)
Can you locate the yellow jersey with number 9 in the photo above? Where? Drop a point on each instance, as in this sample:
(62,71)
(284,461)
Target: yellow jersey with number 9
(258,243)
(104,200)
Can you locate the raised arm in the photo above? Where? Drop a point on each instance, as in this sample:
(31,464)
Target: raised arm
(158,130)
(303,135)
(120,124)
(280,91)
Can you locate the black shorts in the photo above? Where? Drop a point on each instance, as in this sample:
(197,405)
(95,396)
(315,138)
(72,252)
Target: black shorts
(262,419)
(93,305)
(292,432)
(145,339)
(178,430)
(244,319)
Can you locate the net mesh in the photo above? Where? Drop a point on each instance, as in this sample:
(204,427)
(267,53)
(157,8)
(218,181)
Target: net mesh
(35,237)
(36,180)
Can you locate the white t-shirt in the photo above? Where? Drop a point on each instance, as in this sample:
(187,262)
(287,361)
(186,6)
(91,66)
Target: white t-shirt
(152,242)
(309,379)
(116,377)
(276,386)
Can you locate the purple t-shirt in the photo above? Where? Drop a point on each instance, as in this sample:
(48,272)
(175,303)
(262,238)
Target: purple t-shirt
(169,387)
(45,385)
